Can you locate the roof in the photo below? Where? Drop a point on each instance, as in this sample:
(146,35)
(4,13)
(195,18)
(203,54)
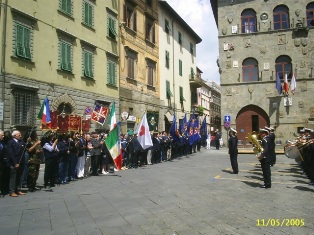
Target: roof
(175,15)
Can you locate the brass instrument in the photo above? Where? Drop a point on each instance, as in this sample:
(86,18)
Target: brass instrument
(257,147)
(294,150)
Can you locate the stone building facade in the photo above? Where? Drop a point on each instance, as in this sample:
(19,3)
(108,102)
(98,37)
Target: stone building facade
(262,44)
(66,51)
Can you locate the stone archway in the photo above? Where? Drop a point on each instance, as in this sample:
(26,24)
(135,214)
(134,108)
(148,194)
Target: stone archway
(250,118)
(64,99)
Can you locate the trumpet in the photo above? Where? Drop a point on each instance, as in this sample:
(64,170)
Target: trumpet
(257,147)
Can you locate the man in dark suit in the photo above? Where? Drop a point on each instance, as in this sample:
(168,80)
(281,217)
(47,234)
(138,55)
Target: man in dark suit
(233,150)
(266,158)
(272,144)
(16,150)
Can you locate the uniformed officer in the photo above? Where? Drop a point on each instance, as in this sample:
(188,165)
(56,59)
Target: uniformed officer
(265,158)
(233,150)
(272,144)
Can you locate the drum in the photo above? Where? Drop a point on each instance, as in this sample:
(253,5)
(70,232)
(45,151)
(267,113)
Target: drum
(292,151)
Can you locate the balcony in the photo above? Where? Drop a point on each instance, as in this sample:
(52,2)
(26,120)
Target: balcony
(196,81)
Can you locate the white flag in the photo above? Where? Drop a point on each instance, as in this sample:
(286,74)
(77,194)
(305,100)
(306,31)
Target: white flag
(143,135)
(293,84)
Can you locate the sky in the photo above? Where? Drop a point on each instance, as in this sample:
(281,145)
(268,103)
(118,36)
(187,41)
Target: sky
(198,15)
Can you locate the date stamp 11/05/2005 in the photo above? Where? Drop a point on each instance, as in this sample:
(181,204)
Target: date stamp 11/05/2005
(271,222)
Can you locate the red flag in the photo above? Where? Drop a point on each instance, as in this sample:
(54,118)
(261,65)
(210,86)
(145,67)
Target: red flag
(285,84)
(143,134)
(293,84)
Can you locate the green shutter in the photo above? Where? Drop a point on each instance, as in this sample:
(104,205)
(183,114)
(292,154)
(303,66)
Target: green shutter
(167,59)
(88,64)
(168,91)
(66,57)
(180,38)
(88,14)
(23,38)
(111,67)
(180,67)
(181,94)
(112,28)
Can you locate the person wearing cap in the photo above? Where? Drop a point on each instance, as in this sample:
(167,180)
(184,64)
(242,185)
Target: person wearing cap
(307,134)
(233,150)
(272,144)
(265,158)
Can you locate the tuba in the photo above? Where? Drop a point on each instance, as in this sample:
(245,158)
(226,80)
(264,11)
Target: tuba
(257,147)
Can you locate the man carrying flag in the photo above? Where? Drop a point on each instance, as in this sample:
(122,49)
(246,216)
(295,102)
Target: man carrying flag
(44,113)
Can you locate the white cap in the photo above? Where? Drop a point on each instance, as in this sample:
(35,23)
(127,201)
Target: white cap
(263,130)
(231,129)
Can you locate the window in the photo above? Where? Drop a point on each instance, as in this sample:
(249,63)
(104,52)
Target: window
(248,21)
(111,72)
(23,41)
(191,48)
(167,60)
(65,55)
(88,63)
(281,17)
(151,71)
(181,94)
(66,6)
(168,91)
(111,23)
(167,26)
(129,16)
(180,38)
(88,13)
(283,66)
(24,110)
(149,3)
(310,14)
(150,30)
(250,70)
(180,67)
(131,63)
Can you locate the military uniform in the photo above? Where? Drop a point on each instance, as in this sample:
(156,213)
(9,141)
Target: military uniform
(34,152)
(266,159)
(233,150)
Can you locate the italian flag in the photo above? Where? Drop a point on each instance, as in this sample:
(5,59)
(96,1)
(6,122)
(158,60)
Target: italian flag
(112,116)
(44,113)
(113,144)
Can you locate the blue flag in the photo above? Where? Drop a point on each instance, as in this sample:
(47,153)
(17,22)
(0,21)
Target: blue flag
(204,130)
(278,85)
(182,124)
(173,129)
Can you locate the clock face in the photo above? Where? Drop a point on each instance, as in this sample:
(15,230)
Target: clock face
(88,110)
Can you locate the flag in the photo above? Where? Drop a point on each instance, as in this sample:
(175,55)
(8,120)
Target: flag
(112,116)
(143,135)
(182,124)
(44,113)
(99,114)
(113,144)
(293,84)
(173,129)
(204,130)
(285,84)
(278,85)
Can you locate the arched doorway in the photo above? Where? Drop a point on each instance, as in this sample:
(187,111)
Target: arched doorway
(250,118)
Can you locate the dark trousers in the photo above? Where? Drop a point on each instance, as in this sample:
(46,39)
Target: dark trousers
(95,164)
(217,144)
(125,158)
(4,177)
(234,162)
(51,169)
(16,179)
(72,166)
(266,172)
(273,160)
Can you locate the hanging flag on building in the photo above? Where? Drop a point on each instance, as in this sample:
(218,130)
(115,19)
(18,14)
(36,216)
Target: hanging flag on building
(44,113)
(112,116)
(293,84)
(143,134)
(278,84)
(113,144)
(286,85)
(99,114)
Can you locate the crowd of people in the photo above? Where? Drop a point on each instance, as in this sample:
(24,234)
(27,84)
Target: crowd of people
(73,156)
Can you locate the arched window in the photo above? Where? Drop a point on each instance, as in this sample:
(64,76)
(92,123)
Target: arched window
(310,14)
(283,66)
(248,21)
(250,70)
(281,17)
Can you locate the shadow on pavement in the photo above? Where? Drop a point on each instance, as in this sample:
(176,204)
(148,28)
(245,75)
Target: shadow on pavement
(304,189)
(230,172)
(254,177)
(252,184)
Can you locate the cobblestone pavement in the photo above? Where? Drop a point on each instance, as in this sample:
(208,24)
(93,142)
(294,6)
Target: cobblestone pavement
(186,196)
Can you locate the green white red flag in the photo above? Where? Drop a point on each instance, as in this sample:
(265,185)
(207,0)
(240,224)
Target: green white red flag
(113,144)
